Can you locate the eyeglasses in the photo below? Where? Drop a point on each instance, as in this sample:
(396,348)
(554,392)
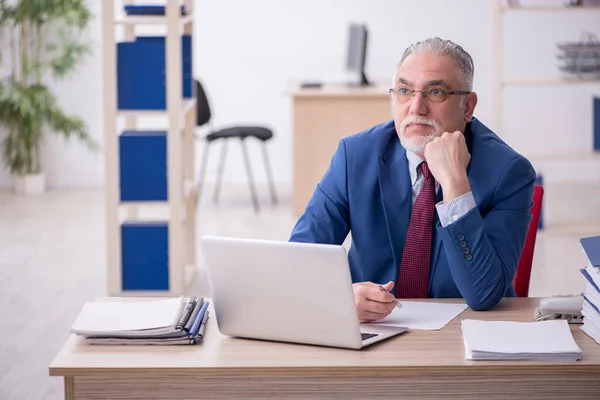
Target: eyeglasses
(404,94)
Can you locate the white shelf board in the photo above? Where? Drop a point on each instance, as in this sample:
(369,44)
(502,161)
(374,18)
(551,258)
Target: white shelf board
(153,211)
(123,19)
(549,81)
(145,293)
(549,8)
(187,105)
(189,273)
(157,204)
(562,155)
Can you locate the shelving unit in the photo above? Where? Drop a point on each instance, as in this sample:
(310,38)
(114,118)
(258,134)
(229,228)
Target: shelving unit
(549,8)
(124,19)
(186,106)
(500,82)
(180,203)
(553,165)
(548,82)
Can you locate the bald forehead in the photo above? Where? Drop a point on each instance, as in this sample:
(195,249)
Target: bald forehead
(426,68)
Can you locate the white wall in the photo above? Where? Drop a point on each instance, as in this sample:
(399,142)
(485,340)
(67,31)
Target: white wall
(246,51)
(552,118)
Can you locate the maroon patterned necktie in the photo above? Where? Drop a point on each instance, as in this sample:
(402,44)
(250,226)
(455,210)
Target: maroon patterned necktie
(413,279)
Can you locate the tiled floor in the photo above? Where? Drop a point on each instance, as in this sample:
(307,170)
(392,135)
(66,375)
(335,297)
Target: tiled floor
(52,261)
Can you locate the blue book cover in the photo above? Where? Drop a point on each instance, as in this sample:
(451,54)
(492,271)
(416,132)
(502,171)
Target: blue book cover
(199,318)
(591,247)
(593,284)
(589,279)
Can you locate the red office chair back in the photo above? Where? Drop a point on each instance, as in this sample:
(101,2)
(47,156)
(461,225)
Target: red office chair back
(521,279)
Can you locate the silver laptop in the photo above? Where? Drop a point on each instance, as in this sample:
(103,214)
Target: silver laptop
(288,292)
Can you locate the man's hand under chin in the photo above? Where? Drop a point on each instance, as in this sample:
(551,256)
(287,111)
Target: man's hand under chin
(447,158)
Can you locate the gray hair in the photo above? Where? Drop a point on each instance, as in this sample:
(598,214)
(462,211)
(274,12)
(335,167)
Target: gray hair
(443,47)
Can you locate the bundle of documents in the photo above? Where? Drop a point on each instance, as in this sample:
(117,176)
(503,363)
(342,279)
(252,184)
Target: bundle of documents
(156,322)
(506,340)
(591,294)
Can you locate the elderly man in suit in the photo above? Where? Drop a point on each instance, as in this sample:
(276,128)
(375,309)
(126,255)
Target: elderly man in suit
(436,203)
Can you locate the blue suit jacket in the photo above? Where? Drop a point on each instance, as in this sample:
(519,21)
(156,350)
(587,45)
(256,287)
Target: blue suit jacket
(367,191)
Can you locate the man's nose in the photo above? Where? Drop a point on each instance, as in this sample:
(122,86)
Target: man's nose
(418,105)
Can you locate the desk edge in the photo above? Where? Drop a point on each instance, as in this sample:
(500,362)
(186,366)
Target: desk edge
(496,368)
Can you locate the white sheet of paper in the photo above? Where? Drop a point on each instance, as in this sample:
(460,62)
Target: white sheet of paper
(116,316)
(422,315)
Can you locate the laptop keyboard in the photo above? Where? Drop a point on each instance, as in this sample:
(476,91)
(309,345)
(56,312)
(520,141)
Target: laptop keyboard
(366,336)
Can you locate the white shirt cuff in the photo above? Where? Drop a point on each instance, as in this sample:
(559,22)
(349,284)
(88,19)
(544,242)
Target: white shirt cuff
(454,210)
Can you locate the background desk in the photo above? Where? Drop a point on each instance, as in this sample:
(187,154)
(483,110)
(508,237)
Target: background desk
(323,116)
(417,364)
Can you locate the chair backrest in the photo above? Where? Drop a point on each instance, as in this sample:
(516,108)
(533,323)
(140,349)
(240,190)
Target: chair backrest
(202,106)
(523,274)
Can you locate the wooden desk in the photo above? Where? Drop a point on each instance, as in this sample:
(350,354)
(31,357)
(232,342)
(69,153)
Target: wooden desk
(323,116)
(414,365)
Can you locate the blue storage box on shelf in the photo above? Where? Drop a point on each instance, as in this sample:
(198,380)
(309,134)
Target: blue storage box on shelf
(143,165)
(145,255)
(596,123)
(539,179)
(149,9)
(141,73)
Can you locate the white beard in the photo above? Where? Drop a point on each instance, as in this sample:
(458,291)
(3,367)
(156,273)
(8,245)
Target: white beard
(417,144)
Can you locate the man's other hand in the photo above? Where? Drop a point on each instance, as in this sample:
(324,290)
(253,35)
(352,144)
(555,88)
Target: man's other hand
(372,303)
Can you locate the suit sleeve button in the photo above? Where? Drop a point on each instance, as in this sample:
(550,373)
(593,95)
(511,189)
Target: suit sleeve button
(466,250)
(468,257)
(460,236)
(462,243)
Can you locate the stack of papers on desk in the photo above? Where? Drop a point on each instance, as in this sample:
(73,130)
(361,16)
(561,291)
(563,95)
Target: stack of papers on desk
(506,340)
(157,322)
(591,294)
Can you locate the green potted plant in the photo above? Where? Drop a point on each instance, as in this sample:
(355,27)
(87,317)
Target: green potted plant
(44,42)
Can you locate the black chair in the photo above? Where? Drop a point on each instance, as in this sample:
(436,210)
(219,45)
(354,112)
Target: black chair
(263,134)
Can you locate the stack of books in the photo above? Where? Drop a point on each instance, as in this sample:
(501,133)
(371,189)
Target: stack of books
(591,294)
(152,322)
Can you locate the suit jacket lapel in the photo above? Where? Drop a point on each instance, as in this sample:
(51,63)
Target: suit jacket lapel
(396,193)
(469,141)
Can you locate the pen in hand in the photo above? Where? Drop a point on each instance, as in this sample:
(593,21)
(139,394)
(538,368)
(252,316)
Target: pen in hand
(397,302)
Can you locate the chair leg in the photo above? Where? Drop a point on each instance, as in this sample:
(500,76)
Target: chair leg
(219,178)
(203,165)
(249,173)
(269,173)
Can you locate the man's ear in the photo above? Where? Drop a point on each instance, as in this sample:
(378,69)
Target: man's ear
(470,104)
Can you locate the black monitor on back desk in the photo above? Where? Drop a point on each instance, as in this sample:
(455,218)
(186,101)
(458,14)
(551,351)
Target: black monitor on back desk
(357,54)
